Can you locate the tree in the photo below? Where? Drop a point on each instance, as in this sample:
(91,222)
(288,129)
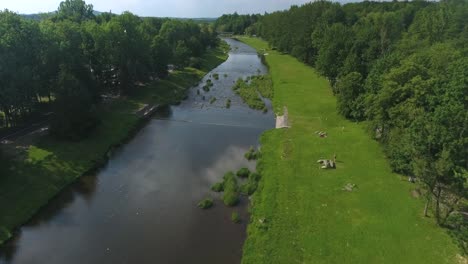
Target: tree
(350,88)
(75,10)
(161,54)
(75,112)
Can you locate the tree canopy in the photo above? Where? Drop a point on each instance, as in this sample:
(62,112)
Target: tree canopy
(66,61)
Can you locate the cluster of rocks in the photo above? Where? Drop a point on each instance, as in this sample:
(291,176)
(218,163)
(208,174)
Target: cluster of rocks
(321,134)
(349,187)
(327,164)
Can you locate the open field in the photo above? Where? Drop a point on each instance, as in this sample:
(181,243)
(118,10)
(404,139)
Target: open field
(300,214)
(48,165)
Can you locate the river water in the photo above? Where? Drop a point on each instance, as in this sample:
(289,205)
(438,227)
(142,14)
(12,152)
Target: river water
(142,206)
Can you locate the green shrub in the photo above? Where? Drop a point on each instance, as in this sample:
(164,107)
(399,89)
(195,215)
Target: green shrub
(205,203)
(248,188)
(209,83)
(235,217)
(225,75)
(243,173)
(231,195)
(206,88)
(255,176)
(218,187)
(230,198)
(216,76)
(251,185)
(212,100)
(228,103)
(251,154)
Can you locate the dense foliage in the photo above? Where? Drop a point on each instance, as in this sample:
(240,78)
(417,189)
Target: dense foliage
(402,67)
(236,24)
(68,61)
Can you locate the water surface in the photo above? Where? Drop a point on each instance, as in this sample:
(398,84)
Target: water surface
(141,207)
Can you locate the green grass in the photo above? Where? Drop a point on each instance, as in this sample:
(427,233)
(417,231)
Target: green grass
(263,84)
(49,165)
(248,94)
(300,214)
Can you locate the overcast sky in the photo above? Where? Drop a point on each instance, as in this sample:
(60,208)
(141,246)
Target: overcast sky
(161,8)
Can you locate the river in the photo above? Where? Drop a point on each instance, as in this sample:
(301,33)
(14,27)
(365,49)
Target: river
(142,206)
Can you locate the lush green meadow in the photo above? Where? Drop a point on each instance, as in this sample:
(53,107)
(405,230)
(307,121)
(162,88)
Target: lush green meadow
(48,165)
(300,214)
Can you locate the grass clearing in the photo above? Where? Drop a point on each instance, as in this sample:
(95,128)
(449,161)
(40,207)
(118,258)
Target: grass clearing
(28,183)
(300,213)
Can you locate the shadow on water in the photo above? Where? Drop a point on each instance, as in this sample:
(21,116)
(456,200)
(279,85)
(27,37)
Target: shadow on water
(142,206)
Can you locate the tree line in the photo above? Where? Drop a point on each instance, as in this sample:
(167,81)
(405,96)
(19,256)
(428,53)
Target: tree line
(70,58)
(402,68)
(237,24)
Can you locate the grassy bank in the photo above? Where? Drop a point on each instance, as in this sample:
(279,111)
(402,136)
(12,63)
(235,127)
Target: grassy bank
(301,214)
(47,165)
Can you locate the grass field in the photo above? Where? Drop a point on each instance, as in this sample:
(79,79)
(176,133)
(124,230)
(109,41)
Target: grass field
(47,166)
(300,214)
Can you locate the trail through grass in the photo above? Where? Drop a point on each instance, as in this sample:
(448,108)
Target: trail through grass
(300,214)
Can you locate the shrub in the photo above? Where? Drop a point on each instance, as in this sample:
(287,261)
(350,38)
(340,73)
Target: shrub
(231,195)
(243,173)
(216,76)
(230,198)
(251,154)
(228,103)
(206,88)
(205,203)
(198,91)
(235,217)
(248,188)
(212,100)
(218,187)
(255,176)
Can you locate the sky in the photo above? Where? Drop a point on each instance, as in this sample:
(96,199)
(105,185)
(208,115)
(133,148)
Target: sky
(161,8)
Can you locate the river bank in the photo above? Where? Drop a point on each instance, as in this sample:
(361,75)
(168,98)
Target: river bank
(42,168)
(304,214)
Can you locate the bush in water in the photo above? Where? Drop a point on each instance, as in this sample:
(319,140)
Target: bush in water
(243,173)
(205,203)
(235,217)
(251,154)
(231,195)
(218,187)
(248,188)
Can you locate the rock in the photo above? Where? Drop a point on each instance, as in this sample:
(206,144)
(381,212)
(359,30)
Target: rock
(349,187)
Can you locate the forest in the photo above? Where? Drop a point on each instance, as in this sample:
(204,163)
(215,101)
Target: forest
(69,61)
(399,67)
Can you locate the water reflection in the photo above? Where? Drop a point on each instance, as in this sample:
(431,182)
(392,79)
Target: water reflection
(141,208)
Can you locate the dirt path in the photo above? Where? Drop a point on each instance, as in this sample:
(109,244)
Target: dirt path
(283,121)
